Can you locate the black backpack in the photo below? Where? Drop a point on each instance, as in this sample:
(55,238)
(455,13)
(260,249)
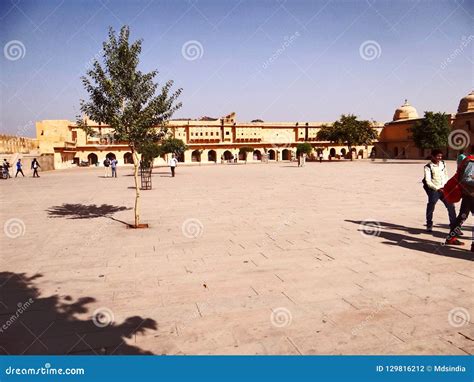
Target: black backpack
(106,162)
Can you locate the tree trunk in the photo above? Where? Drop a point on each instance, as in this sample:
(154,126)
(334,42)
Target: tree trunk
(137,188)
(350,151)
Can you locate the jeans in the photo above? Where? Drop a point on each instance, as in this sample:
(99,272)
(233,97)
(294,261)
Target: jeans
(172,171)
(114,172)
(467,206)
(433,197)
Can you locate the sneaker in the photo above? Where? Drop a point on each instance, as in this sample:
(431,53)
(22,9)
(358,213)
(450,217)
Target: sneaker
(459,233)
(454,241)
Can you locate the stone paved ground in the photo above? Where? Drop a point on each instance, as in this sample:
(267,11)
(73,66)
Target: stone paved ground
(238,259)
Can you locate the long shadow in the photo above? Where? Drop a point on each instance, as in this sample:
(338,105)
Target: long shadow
(412,242)
(82,211)
(34,324)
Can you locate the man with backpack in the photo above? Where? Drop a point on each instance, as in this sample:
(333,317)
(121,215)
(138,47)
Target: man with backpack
(106,165)
(436,176)
(466,184)
(34,166)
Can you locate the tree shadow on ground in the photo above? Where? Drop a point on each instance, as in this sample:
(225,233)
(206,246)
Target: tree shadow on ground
(410,241)
(82,211)
(33,324)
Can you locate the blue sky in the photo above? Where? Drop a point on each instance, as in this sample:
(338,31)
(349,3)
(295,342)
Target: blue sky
(273,60)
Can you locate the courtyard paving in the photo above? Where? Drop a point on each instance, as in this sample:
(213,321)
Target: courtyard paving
(330,258)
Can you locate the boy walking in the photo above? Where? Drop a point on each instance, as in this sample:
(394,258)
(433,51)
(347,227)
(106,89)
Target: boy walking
(19,168)
(436,176)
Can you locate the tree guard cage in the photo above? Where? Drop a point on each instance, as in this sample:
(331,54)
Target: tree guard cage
(145,176)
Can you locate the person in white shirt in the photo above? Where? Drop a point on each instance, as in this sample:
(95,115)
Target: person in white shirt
(173,162)
(436,176)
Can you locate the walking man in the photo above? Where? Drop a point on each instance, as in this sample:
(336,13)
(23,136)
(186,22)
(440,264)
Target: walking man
(436,176)
(320,157)
(113,165)
(19,168)
(173,162)
(106,165)
(34,166)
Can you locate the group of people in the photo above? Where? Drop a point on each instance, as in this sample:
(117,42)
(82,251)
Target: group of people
(19,168)
(112,164)
(434,181)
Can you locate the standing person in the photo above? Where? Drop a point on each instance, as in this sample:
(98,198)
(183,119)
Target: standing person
(466,184)
(173,162)
(320,157)
(34,166)
(19,168)
(106,165)
(113,165)
(436,176)
(6,169)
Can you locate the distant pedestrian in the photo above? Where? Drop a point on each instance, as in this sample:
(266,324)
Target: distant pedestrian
(173,162)
(19,168)
(436,176)
(106,165)
(113,165)
(320,157)
(35,166)
(6,169)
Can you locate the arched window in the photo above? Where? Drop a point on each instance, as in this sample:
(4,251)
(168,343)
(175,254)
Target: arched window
(128,158)
(92,159)
(257,155)
(271,154)
(211,156)
(196,156)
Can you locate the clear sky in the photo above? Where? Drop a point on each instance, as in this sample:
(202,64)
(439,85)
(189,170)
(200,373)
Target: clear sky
(273,60)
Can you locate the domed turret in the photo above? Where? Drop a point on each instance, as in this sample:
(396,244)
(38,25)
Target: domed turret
(406,111)
(466,104)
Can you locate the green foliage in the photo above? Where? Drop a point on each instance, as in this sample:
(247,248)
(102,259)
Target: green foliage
(125,98)
(348,130)
(304,148)
(149,151)
(172,145)
(432,131)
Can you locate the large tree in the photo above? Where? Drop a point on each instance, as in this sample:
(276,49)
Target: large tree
(350,131)
(126,99)
(432,131)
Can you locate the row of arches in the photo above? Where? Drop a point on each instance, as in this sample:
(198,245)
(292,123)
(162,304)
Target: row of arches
(93,159)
